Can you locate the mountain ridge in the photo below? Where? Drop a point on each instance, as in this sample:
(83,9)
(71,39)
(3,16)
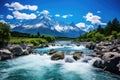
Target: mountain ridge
(46,24)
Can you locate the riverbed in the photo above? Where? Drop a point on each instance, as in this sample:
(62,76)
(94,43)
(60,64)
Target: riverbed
(41,67)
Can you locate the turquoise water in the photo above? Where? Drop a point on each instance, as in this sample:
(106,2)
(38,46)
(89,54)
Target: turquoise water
(41,67)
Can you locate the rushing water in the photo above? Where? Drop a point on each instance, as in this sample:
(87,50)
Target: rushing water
(41,67)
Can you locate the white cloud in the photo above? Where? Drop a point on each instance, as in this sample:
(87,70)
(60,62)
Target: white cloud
(57,15)
(85,27)
(66,16)
(46,12)
(80,24)
(9,16)
(19,15)
(94,19)
(3,21)
(18,6)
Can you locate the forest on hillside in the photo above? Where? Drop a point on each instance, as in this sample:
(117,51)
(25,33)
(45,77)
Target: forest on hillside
(109,32)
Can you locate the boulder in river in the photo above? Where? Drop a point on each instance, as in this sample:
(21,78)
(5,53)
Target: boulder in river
(58,56)
(90,45)
(52,51)
(17,51)
(77,55)
(110,61)
(5,54)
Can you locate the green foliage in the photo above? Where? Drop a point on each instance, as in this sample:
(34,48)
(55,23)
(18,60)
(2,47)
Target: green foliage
(34,41)
(111,31)
(99,36)
(49,38)
(114,33)
(118,35)
(4,32)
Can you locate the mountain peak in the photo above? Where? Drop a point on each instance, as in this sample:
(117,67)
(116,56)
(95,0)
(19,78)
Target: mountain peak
(47,24)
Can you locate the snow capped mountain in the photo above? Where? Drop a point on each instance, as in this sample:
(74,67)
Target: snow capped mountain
(47,24)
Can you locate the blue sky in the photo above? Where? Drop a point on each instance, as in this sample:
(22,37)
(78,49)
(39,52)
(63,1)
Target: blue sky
(81,12)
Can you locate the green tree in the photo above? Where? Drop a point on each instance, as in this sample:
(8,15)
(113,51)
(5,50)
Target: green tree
(108,29)
(115,25)
(99,36)
(114,33)
(4,32)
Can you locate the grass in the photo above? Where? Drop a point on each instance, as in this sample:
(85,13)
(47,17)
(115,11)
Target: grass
(34,41)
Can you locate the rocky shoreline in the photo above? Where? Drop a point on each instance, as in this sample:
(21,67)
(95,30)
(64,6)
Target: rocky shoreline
(108,54)
(15,50)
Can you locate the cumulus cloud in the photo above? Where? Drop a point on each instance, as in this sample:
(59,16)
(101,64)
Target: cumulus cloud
(19,15)
(80,24)
(94,19)
(18,6)
(57,15)
(9,16)
(66,16)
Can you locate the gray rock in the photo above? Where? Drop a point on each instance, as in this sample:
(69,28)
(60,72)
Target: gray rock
(17,51)
(98,63)
(110,62)
(23,46)
(5,54)
(58,56)
(77,55)
(52,51)
(90,45)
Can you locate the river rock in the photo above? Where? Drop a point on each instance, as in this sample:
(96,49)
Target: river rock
(90,45)
(17,51)
(77,55)
(98,63)
(23,46)
(5,54)
(58,56)
(52,51)
(109,61)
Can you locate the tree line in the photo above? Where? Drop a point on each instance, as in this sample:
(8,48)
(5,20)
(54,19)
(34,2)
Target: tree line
(109,32)
(6,35)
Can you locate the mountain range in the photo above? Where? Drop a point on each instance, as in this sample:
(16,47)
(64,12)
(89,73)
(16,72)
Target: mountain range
(46,24)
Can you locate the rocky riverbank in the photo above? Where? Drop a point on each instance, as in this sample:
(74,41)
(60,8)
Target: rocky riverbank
(15,50)
(108,54)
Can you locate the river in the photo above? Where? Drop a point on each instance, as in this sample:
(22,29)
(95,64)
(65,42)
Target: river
(41,67)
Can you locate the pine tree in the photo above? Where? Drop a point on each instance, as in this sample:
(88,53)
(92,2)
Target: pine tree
(108,29)
(115,25)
